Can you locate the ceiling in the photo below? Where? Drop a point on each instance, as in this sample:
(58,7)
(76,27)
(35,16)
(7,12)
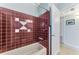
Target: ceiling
(63,6)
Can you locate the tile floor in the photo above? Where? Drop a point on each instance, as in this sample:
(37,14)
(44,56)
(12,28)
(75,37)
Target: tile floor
(64,50)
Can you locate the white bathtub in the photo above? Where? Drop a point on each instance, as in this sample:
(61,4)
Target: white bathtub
(32,49)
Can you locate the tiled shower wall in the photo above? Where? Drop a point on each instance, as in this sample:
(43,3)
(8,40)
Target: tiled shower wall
(44,21)
(10,39)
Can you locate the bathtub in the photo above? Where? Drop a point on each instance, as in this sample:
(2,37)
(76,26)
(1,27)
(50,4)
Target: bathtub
(32,49)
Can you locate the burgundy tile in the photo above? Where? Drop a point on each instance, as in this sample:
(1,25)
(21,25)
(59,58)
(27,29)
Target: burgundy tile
(23,38)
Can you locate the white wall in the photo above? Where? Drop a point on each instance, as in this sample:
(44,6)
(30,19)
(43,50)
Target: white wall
(28,8)
(70,33)
(55,22)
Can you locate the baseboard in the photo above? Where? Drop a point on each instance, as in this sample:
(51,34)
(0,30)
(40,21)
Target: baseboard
(71,46)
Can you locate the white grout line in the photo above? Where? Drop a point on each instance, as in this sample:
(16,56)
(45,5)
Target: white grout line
(11,31)
(1,29)
(6,31)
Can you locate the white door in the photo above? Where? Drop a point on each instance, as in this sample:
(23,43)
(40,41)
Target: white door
(55,27)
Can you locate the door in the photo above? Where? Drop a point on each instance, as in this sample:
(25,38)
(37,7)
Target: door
(55,30)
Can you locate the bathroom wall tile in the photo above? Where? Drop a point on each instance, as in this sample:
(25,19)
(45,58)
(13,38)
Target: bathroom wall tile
(10,40)
(44,30)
